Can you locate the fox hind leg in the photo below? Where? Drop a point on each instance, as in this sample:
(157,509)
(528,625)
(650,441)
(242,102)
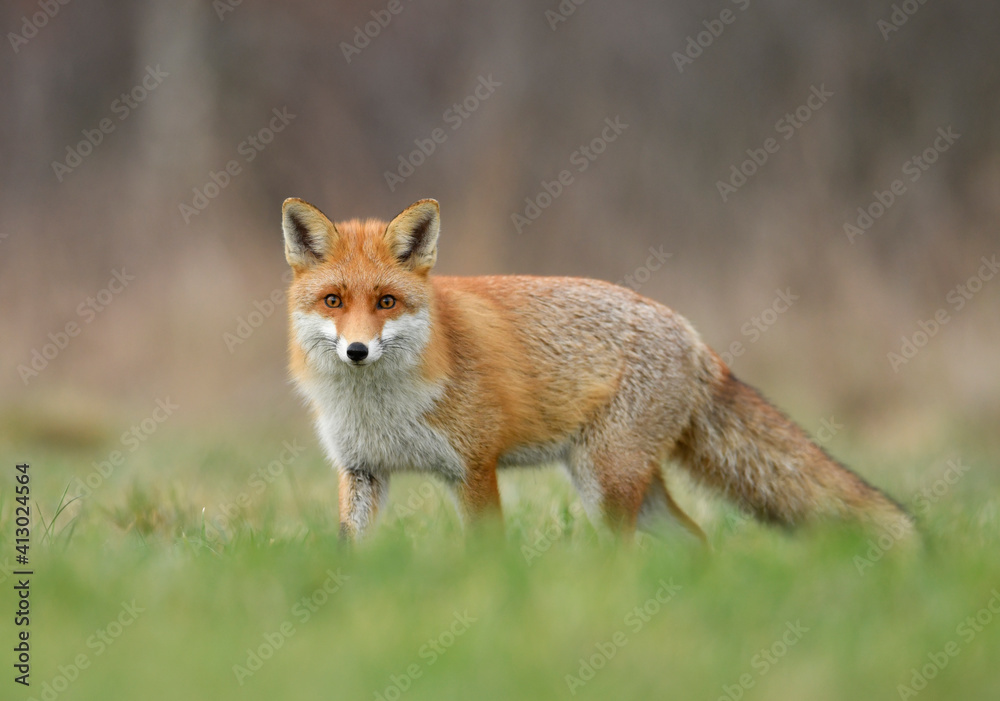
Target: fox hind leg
(612,484)
(659,509)
(624,487)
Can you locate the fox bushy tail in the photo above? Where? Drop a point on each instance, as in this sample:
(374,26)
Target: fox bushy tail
(740,444)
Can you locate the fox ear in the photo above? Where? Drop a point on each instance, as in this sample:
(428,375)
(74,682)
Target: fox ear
(309,235)
(412,235)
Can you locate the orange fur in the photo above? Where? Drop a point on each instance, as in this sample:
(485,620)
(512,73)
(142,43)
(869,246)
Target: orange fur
(465,375)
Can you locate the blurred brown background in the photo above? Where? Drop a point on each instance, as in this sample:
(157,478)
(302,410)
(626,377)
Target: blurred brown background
(64,233)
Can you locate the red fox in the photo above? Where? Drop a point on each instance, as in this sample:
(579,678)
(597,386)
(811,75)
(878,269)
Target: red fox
(461,376)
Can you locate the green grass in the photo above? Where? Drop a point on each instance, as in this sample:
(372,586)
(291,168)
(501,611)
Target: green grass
(479,614)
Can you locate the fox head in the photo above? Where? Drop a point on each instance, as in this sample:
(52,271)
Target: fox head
(360,295)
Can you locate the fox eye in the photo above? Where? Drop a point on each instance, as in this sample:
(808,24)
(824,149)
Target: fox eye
(387,302)
(333,301)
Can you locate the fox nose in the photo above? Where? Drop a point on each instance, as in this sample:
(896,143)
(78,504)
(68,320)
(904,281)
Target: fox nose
(357,352)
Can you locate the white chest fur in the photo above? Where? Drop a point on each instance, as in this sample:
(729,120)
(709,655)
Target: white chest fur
(372,417)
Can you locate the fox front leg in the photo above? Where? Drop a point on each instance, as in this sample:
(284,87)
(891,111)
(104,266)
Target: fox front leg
(361,495)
